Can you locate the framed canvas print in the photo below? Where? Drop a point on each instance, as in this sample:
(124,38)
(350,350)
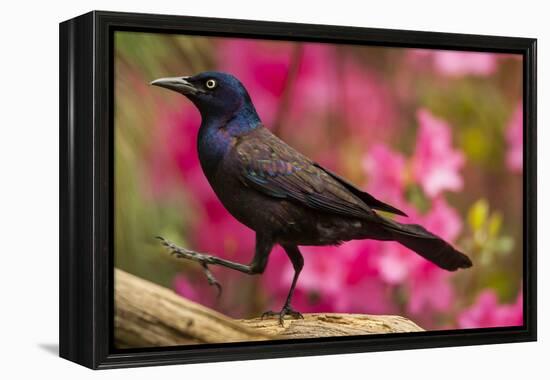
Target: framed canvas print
(237,189)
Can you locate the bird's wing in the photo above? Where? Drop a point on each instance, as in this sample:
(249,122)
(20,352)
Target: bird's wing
(371,201)
(277,170)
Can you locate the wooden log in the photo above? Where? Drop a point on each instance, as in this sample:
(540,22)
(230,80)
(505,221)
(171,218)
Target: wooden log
(149,315)
(330,324)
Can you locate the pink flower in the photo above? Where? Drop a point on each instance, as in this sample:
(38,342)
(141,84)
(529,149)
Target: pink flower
(337,279)
(514,138)
(261,66)
(435,163)
(487,312)
(320,281)
(443,220)
(175,131)
(370,296)
(429,290)
(456,63)
(199,291)
(396,263)
(427,285)
(323,86)
(312,94)
(386,173)
(224,236)
(366,101)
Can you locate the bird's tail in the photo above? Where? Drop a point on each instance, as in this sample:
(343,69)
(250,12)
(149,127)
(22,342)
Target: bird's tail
(427,245)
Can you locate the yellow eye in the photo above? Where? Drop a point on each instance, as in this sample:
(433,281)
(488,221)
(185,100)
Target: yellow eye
(211,83)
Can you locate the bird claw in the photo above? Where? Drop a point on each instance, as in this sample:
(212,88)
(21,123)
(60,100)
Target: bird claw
(286,310)
(204,260)
(211,279)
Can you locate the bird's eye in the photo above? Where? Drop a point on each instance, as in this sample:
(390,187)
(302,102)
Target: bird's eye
(211,84)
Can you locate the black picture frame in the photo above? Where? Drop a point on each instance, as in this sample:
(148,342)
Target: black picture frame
(86,188)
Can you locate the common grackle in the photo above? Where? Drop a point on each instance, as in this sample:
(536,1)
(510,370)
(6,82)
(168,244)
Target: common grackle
(285,197)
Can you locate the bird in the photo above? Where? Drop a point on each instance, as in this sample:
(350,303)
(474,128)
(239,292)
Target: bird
(286,198)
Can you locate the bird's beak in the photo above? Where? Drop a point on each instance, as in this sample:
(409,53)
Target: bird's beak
(178,84)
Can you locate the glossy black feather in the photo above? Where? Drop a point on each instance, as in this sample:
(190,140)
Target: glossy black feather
(428,245)
(371,201)
(274,168)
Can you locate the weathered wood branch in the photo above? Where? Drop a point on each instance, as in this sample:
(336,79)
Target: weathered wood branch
(148,315)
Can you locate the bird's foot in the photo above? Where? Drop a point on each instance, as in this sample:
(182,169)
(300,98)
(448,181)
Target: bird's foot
(201,258)
(286,310)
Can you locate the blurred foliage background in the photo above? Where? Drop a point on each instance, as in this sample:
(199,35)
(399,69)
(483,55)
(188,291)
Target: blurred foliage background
(435,133)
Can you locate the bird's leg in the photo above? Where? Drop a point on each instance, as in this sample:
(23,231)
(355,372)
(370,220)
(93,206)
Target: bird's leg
(298,263)
(257,266)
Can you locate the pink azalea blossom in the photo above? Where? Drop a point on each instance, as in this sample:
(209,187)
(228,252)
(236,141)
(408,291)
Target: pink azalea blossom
(338,279)
(443,220)
(435,163)
(429,290)
(231,239)
(261,66)
(427,285)
(358,99)
(308,301)
(386,173)
(198,291)
(271,71)
(366,102)
(320,282)
(313,95)
(456,63)
(370,296)
(175,132)
(183,287)
(396,263)
(366,292)
(514,138)
(488,312)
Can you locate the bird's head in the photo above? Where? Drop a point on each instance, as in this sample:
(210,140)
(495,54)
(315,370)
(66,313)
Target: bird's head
(215,94)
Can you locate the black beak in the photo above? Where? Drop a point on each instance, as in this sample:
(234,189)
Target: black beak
(178,84)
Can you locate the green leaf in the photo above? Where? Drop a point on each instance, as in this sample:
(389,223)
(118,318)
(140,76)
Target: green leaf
(477,216)
(504,245)
(417,197)
(495,223)
(487,256)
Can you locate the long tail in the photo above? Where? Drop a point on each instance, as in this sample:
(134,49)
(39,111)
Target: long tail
(427,245)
